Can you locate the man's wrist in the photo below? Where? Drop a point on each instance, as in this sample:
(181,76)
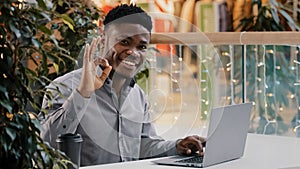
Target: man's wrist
(83,94)
(177,143)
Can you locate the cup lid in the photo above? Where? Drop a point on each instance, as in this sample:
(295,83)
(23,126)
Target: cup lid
(69,137)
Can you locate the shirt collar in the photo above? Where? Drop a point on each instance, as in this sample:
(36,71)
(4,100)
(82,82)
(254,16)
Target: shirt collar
(130,82)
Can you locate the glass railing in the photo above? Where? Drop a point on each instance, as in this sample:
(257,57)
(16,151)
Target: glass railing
(190,73)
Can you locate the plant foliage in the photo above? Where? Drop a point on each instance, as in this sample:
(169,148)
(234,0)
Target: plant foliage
(38,42)
(278,77)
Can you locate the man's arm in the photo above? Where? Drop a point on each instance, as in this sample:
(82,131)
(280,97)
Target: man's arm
(65,119)
(155,146)
(84,82)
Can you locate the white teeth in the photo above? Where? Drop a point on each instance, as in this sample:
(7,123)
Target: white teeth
(128,62)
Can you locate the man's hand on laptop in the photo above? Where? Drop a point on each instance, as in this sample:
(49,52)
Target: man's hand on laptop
(191,145)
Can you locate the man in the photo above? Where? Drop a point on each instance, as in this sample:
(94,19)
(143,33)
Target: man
(102,102)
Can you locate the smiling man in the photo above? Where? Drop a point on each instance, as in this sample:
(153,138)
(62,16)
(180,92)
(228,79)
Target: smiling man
(101,101)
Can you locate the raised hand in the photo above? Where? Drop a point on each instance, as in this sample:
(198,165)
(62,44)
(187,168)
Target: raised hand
(90,81)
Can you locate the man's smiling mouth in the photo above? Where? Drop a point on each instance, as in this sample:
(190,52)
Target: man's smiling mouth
(130,63)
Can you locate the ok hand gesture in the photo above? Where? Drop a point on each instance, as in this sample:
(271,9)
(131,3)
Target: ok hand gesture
(90,81)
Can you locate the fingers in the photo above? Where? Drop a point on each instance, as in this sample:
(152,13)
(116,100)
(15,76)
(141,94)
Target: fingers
(86,54)
(105,66)
(94,46)
(90,50)
(182,150)
(191,145)
(106,71)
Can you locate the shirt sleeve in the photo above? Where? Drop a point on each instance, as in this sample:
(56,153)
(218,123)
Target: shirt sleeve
(65,119)
(153,145)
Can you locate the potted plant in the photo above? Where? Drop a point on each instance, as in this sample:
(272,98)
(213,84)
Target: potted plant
(38,42)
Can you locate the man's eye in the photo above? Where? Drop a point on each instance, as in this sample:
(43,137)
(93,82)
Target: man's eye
(124,42)
(143,47)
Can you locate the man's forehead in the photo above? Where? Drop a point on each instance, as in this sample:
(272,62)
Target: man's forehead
(128,29)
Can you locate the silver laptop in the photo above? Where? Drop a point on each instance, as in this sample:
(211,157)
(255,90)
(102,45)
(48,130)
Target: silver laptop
(226,138)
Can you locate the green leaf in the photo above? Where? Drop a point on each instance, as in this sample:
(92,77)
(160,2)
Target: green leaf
(11,133)
(56,166)
(60,2)
(4,91)
(35,42)
(42,4)
(290,20)
(45,29)
(45,15)
(14,29)
(6,105)
(67,20)
(275,15)
(273,2)
(80,42)
(56,67)
(52,37)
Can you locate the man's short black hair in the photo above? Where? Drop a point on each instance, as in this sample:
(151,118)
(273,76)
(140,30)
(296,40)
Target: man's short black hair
(129,14)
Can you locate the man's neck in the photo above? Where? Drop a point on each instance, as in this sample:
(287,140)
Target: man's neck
(118,82)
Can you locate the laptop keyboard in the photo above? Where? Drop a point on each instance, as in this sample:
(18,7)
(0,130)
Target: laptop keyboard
(196,159)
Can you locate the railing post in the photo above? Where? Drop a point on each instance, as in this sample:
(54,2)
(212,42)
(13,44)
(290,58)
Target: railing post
(244,74)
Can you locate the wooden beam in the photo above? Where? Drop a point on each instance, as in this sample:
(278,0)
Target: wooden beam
(227,38)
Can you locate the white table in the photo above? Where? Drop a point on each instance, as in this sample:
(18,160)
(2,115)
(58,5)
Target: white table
(262,152)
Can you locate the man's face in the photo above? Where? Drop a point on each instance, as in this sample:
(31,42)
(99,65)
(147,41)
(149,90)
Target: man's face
(126,47)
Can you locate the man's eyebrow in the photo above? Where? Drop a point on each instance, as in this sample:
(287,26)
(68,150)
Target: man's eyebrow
(130,38)
(144,42)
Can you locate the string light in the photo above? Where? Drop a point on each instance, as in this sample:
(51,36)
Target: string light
(292,96)
(260,64)
(224,53)
(297,62)
(270,51)
(260,83)
(175,118)
(258,79)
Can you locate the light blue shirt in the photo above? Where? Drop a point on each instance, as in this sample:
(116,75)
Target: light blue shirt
(113,130)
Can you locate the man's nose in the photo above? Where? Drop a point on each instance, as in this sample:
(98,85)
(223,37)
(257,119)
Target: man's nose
(132,52)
